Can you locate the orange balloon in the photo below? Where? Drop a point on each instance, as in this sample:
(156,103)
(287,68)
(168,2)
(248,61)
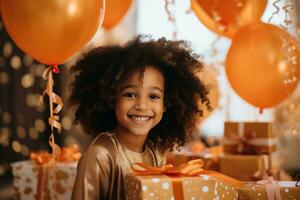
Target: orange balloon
(225,17)
(115,10)
(262,64)
(51,31)
(208,77)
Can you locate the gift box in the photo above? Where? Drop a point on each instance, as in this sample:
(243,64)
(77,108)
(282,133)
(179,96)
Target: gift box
(189,181)
(33,181)
(243,167)
(29,181)
(61,178)
(164,187)
(249,138)
(287,190)
(46,176)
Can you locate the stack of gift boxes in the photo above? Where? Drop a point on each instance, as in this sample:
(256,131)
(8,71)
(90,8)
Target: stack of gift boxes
(250,151)
(250,157)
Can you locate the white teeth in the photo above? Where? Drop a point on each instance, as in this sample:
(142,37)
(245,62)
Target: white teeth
(140,118)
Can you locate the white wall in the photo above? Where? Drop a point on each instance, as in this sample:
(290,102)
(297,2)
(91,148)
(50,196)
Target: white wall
(152,19)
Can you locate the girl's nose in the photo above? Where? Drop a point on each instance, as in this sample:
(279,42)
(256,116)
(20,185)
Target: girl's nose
(141,104)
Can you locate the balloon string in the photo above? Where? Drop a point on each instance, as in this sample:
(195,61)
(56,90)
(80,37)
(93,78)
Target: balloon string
(171,16)
(214,50)
(53,98)
(276,11)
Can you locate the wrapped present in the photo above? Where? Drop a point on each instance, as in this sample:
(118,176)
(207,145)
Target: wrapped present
(30,181)
(269,189)
(249,138)
(43,178)
(245,167)
(61,178)
(33,181)
(185,182)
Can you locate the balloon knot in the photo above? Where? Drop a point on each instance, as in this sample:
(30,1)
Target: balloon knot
(55,69)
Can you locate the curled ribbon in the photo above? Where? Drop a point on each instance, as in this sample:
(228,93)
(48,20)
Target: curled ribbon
(191,168)
(53,99)
(272,188)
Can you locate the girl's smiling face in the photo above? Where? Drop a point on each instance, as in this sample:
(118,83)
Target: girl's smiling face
(140,102)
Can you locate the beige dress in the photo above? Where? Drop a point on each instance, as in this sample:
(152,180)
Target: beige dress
(103,166)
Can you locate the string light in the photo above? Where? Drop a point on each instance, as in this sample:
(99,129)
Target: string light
(7,49)
(21,132)
(15,62)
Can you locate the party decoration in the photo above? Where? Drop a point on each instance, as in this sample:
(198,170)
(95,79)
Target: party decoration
(51,31)
(208,77)
(115,10)
(225,17)
(262,64)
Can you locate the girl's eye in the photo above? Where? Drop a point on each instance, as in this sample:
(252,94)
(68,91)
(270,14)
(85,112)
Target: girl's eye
(129,94)
(154,96)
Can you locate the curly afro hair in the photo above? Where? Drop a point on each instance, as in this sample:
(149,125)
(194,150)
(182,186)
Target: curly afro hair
(101,70)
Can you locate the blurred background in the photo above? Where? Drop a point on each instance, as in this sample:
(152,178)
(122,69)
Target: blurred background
(24,119)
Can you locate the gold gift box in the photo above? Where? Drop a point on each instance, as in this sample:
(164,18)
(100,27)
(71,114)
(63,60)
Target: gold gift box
(249,138)
(243,167)
(161,187)
(252,191)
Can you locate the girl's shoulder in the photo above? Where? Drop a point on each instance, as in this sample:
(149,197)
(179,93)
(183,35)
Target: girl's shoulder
(102,146)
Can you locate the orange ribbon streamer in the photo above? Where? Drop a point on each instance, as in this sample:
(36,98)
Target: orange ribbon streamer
(272,188)
(53,99)
(191,168)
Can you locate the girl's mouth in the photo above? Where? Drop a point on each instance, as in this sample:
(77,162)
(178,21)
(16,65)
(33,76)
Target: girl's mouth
(139,119)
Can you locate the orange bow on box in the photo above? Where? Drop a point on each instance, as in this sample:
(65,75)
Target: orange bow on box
(191,168)
(67,154)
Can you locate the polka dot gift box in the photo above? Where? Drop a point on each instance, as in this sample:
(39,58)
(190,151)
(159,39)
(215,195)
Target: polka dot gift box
(161,187)
(34,182)
(61,179)
(44,176)
(28,180)
(251,191)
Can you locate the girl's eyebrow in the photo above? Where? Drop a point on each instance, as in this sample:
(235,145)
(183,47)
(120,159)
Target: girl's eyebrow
(156,88)
(135,86)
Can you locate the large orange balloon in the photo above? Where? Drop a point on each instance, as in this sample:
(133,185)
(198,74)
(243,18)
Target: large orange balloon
(262,64)
(115,11)
(225,17)
(51,30)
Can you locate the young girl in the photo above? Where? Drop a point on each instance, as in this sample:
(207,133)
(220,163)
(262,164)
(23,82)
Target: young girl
(138,100)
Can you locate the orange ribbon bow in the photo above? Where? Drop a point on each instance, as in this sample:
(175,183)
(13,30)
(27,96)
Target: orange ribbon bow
(191,168)
(68,154)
